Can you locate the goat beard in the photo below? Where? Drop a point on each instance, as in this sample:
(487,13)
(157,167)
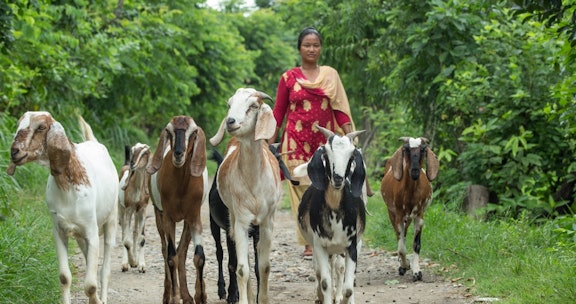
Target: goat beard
(11,168)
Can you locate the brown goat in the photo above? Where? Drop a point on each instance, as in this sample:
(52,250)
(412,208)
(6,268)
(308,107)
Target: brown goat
(179,186)
(408,193)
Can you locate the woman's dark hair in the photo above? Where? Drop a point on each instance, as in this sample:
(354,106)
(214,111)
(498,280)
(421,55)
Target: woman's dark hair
(305,32)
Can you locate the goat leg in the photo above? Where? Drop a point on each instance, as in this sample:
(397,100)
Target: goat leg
(199,261)
(233,295)
(215,230)
(416,273)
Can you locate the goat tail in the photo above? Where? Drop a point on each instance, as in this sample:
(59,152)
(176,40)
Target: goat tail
(87,133)
(217,157)
(126,155)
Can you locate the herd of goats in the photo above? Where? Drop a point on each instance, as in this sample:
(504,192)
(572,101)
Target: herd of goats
(87,197)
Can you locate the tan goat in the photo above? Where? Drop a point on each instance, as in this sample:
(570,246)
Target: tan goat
(132,203)
(249,183)
(179,186)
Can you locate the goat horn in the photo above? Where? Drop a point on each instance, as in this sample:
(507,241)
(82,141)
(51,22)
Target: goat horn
(325,131)
(405,139)
(425,140)
(264,96)
(353,135)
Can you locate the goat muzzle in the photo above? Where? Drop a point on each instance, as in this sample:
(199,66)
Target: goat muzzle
(415,173)
(338,181)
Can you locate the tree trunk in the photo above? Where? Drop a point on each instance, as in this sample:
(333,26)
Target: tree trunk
(476,198)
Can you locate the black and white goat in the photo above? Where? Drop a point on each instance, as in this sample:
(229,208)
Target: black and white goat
(332,214)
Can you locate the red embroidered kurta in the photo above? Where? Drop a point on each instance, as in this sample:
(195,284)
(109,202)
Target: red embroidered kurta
(305,104)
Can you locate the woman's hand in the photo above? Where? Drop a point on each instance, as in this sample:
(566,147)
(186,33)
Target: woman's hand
(347,128)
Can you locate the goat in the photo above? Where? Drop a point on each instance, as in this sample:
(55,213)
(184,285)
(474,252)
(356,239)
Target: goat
(219,220)
(332,214)
(249,183)
(408,193)
(132,202)
(81,194)
(178,188)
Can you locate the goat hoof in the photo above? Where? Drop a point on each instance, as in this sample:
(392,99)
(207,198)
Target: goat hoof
(417,276)
(233,299)
(401,271)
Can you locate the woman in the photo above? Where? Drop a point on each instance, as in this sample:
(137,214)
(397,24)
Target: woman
(309,95)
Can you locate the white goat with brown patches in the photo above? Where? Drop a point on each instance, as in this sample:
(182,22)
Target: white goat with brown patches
(132,203)
(249,183)
(81,194)
(408,193)
(179,186)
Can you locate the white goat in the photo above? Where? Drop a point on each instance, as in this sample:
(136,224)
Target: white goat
(178,187)
(249,183)
(332,215)
(132,202)
(81,194)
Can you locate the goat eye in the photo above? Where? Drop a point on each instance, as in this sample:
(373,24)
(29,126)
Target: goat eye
(254,106)
(41,128)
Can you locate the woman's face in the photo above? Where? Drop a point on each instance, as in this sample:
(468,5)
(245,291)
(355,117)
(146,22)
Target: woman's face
(310,48)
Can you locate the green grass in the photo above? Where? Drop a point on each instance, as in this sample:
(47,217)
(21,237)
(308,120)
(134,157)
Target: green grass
(28,264)
(513,260)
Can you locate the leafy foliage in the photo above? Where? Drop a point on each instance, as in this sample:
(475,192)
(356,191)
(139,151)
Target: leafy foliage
(267,37)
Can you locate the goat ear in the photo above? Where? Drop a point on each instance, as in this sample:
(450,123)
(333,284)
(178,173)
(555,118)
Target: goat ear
(396,162)
(359,174)
(300,170)
(316,170)
(217,139)
(198,162)
(158,157)
(432,165)
(59,149)
(266,124)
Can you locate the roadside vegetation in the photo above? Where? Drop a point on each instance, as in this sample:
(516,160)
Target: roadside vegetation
(515,260)
(489,83)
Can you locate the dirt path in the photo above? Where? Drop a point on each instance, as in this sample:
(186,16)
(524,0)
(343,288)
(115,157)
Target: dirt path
(291,280)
